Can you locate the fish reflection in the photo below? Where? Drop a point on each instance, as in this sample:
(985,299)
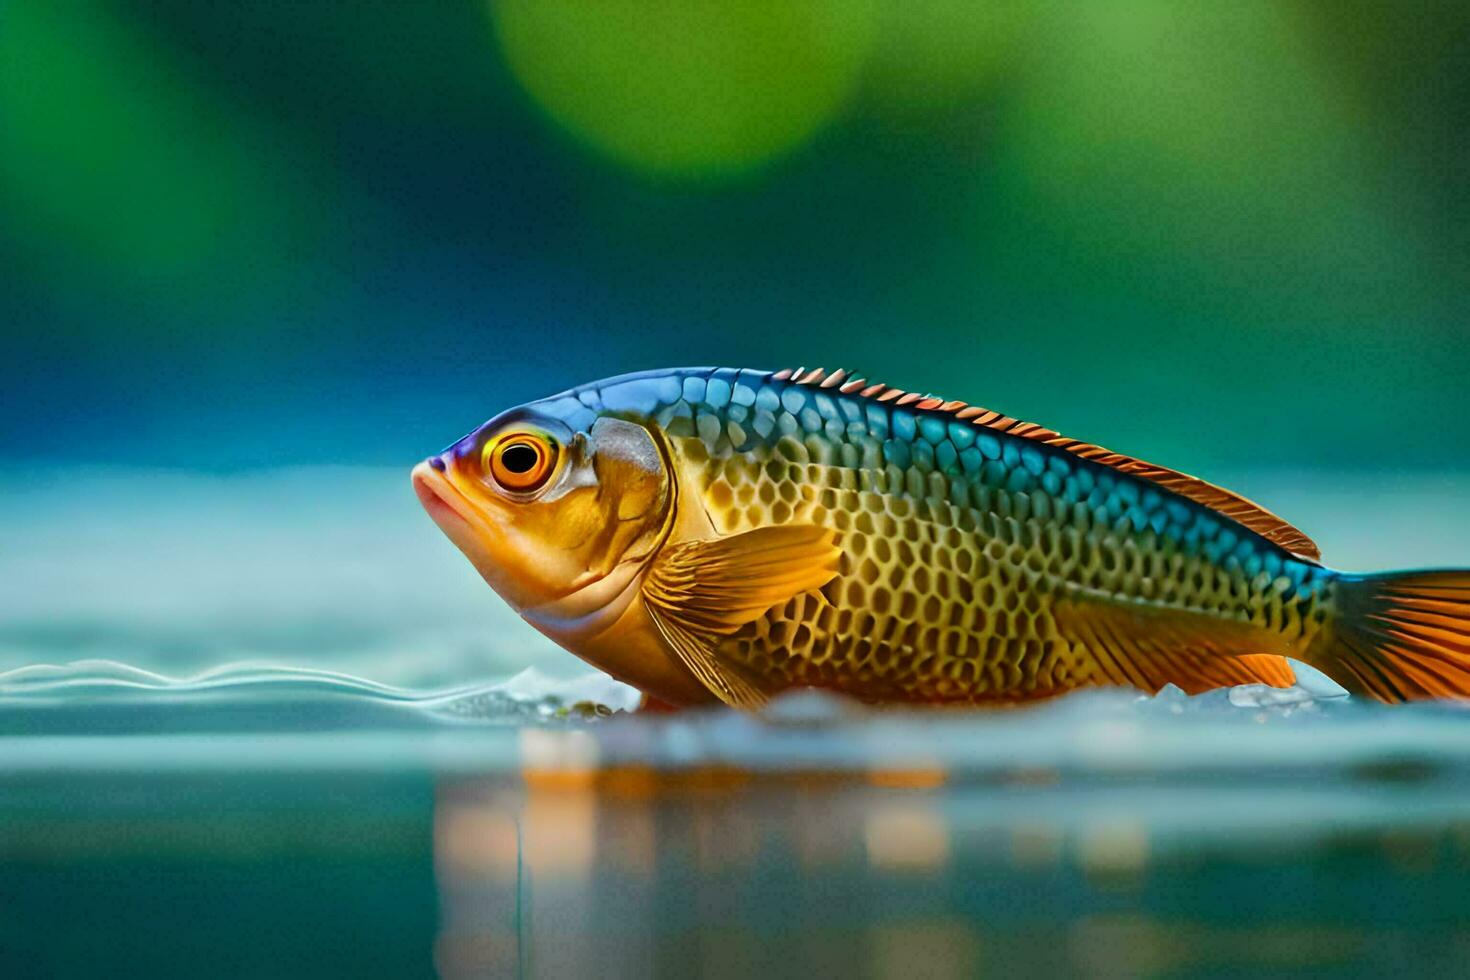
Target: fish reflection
(580,865)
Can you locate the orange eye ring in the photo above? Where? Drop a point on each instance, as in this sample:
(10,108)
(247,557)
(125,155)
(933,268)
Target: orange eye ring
(520,462)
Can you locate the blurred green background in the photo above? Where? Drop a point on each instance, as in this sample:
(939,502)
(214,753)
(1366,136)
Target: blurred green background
(1215,234)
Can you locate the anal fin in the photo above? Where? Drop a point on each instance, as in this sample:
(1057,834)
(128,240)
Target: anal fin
(1147,645)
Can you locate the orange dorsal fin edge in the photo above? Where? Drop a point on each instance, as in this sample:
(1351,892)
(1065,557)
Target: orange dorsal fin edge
(1245,513)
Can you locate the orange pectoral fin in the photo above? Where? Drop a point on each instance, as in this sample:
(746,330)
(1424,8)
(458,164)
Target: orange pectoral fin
(701,591)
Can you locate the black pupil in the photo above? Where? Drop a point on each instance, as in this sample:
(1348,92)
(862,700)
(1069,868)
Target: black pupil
(519,458)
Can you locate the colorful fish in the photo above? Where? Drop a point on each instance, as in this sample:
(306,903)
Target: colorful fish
(712,534)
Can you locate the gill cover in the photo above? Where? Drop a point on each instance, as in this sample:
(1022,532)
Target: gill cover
(593,528)
(635,487)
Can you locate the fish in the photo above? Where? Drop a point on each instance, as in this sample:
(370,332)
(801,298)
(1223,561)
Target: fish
(721,535)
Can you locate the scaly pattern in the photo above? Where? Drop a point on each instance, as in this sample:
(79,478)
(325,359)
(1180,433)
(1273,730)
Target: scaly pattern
(964,535)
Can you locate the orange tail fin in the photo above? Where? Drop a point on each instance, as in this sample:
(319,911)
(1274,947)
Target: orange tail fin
(1402,636)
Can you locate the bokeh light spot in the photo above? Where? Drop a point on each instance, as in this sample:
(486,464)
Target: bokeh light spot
(688,89)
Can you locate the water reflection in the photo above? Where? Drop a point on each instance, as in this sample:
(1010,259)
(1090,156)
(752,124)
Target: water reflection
(719,872)
(243,821)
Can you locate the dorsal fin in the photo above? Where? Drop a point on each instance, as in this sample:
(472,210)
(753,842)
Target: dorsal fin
(1249,515)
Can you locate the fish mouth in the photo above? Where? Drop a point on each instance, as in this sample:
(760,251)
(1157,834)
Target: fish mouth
(442,502)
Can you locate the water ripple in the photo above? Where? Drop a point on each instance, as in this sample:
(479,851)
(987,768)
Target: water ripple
(106,697)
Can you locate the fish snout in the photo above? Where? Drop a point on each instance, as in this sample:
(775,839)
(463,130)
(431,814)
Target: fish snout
(429,485)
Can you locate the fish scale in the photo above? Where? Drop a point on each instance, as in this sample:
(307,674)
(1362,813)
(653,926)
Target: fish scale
(958,542)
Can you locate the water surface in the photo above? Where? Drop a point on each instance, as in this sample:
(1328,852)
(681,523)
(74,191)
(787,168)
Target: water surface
(271,725)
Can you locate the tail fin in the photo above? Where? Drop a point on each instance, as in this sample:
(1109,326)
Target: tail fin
(1402,636)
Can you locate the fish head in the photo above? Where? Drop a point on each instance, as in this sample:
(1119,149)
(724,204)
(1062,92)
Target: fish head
(559,517)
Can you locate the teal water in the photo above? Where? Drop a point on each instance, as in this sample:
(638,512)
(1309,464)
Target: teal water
(264,823)
(267,726)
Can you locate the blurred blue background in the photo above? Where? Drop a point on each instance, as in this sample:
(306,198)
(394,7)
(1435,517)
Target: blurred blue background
(241,237)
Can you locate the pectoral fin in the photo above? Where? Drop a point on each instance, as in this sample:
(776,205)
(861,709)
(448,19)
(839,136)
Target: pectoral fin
(1147,645)
(696,652)
(701,591)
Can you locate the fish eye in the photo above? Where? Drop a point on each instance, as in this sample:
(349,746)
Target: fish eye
(520,462)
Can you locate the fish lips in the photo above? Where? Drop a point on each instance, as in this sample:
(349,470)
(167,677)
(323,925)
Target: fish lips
(449,509)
